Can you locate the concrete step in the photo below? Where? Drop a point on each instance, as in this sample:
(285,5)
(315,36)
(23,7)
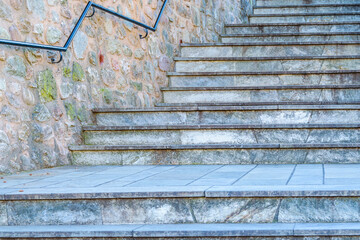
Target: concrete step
(188,231)
(303,2)
(221,134)
(305,17)
(335,93)
(308,27)
(270,49)
(291,37)
(239,79)
(311,8)
(242,114)
(193,194)
(266,64)
(271,153)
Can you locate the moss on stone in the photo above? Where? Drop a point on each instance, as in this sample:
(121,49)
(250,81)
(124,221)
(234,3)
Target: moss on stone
(82,114)
(137,85)
(47,86)
(107,95)
(67,72)
(78,73)
(70,111)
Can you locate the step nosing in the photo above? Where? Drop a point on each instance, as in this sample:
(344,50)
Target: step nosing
(247,107)
(269,44)
(213,146)
(305,14)
(292,24)
(280,87)
(288,34)
(184,230)
(262,73)
(220,126)
(309,5)
(331,57)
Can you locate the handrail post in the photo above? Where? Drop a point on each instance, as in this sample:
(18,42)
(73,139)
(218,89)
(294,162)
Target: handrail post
(77,26)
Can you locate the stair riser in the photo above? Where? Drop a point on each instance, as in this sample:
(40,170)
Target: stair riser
(230,117)
(182,210)
(291,39)
(267,65)
(263,80)
(227,96)
(302,2)
(219,156)
(222,136)
(293,29)
(271,51)
(304,19)
(329,9)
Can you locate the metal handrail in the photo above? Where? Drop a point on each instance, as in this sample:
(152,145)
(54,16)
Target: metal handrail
(77,26)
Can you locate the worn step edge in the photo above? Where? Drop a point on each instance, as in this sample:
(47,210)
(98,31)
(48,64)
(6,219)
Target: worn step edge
(170,74)
(309,5)
(266,58)
(269,43)
(184,192)
(193,108)
(213,146)
(289,34)
(305,14)
(235,126)
(183,230)
(292,24)
(265,104)
(280,87)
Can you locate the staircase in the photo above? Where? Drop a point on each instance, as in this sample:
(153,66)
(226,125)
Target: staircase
(279,96)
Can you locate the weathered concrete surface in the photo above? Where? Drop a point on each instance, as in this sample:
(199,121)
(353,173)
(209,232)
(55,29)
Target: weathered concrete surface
(240,80)
(234,115)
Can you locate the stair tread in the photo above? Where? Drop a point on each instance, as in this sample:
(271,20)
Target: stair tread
(184,230)
(219,126)
(269,43)
(208,107)
(309,5)
(261,73)
(279,87)
(289,34)
(116,182)
(291,24)
(213,146)
(304,14)
(306,57)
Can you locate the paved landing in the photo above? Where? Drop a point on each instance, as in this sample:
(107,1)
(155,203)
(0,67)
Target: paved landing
(183,181)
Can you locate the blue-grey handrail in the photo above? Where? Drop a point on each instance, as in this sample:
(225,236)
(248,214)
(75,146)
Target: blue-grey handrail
(77,26)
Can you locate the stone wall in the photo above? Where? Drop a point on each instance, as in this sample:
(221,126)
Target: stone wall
(43,106)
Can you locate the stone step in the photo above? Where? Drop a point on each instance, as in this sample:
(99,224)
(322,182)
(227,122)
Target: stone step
(247,114)
(221,134)
(273,28)
(336,93)
(305,17)
(291,37)
(203,194)
(239,79)
(270,49)
(189,231)
(271,153)
(313,8)
(303,2)
(266,64)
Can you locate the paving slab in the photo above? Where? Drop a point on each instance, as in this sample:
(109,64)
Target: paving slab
(185,181)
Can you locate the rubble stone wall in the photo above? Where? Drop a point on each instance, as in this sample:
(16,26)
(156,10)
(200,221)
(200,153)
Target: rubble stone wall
(43,106)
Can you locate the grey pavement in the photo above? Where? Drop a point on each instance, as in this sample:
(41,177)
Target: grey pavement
(71,179)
